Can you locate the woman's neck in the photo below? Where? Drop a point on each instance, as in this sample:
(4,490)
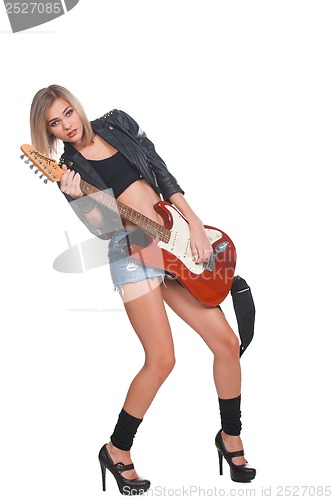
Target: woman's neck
(98,149)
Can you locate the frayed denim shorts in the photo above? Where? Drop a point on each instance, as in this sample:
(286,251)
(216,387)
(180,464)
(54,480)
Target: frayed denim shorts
(123,267)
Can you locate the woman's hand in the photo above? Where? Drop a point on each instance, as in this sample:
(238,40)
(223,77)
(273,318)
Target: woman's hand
(200,245)
(70,183)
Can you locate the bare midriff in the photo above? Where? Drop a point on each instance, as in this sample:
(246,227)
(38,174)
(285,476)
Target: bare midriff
(141,197)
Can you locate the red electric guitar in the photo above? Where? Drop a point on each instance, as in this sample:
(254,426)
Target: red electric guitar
(170,248)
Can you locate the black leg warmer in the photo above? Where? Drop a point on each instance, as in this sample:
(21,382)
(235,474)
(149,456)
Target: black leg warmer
(125,430)
(231,415)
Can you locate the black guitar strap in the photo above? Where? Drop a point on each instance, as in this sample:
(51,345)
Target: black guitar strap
(245,311)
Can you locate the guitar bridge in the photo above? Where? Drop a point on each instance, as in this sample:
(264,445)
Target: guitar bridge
(209,266)
(221,247)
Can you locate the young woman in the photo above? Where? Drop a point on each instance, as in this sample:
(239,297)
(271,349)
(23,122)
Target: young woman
(114,153)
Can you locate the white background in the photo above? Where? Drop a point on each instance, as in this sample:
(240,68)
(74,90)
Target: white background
(237,97)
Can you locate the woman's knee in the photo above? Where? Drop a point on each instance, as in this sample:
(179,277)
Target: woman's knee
(227,345)
(161,364)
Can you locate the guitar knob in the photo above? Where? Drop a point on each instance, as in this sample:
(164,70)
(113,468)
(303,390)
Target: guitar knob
(221,247)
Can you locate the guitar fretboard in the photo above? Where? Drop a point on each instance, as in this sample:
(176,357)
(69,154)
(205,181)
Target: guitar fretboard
(148,225)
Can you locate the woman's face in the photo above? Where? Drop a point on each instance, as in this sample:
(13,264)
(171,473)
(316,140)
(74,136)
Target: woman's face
(64,123)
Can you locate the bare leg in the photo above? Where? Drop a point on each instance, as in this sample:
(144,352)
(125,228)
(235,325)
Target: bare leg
(214,329)
(148,317)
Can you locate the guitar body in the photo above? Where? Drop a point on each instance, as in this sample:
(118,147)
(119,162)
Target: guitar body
(170,247)
(210,282)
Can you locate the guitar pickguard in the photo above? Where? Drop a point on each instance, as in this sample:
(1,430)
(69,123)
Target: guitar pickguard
(179,242)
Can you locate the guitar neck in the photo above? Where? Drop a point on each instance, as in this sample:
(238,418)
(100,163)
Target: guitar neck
(148,225)
(53,172)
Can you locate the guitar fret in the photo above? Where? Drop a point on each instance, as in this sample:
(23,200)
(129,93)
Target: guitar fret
(147,224)
(49,167)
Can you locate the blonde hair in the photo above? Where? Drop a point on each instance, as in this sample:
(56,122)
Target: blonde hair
(40,136)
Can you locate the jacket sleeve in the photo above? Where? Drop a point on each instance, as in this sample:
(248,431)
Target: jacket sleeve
(165,180)
(110,223)
(112,220)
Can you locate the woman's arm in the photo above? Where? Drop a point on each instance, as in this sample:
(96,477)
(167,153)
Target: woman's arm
(166,181)
(200,244)
(70,184)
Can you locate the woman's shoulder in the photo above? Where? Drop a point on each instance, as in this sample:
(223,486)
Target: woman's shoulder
(113,114)
(117,118)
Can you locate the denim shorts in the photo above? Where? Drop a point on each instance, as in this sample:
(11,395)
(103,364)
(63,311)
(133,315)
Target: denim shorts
(123,267)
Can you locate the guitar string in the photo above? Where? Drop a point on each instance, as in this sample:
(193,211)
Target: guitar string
(105,199)
(148,224)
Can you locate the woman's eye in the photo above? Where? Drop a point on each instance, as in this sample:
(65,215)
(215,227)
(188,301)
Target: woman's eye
(53,124)
(69,112)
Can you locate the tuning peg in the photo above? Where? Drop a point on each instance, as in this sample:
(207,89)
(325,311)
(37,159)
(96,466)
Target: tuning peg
(45,181)
(31,166)
(41,176)
(36,171)
(26,161)
(22,157)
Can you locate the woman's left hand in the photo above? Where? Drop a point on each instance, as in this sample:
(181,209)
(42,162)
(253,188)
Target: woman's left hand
(200,245)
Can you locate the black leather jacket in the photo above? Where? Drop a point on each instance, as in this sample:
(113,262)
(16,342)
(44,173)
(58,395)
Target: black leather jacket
(122,132)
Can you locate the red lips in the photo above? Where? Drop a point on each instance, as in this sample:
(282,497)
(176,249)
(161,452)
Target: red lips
(72,133)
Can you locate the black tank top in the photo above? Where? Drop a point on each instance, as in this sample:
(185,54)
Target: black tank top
(116,171)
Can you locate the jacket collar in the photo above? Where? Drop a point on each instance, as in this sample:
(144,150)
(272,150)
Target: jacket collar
(87,172)
(118,138)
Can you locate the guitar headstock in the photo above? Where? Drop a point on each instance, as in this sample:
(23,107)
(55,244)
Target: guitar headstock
(47,166)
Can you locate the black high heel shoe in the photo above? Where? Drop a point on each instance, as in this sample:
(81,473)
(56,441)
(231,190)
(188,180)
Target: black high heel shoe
(238,473)
(135,486)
